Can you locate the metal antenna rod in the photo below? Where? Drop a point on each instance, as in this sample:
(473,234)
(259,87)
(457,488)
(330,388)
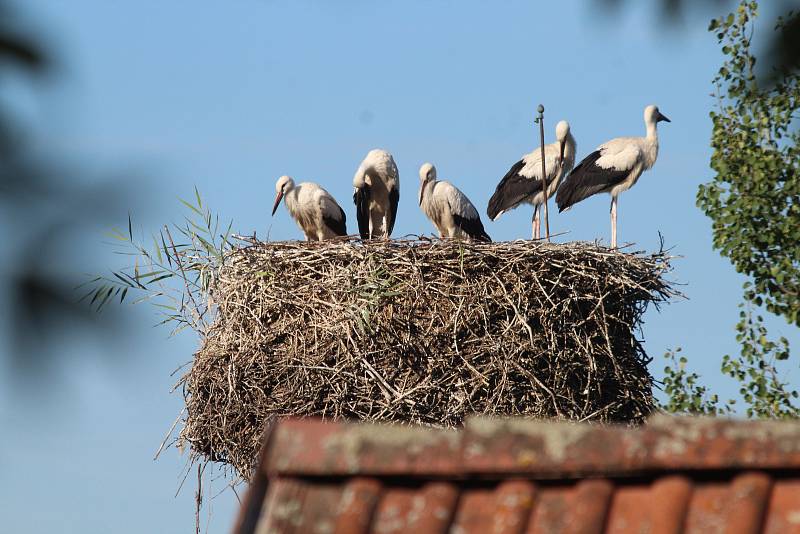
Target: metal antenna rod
(540,120)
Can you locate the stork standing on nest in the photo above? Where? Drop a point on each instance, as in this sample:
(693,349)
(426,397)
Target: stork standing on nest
(613,168)
(448,208)
(376,194)
(314,210)
(523,181)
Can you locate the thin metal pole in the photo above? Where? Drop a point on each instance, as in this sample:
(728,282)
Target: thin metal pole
(540,120)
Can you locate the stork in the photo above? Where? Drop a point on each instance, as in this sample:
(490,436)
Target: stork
(523,181)
(314,210)
(613,168)
(376,194)
(448,208)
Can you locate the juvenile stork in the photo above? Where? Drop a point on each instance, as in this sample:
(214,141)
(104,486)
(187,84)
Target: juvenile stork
(376,194)
(613,168)
(523,181)
(313,209)
(448,208)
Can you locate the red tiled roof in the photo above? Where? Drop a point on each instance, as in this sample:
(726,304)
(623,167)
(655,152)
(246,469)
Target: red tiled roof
(496,476)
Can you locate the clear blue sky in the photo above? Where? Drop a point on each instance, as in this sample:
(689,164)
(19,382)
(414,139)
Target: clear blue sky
(228,96)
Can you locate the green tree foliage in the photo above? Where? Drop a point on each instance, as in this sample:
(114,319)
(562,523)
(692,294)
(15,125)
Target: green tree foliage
(754,204)
(754,199)
(684,392)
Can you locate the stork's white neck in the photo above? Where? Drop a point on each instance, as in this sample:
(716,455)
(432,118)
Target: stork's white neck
(650,145)
(652,130)
(569,150)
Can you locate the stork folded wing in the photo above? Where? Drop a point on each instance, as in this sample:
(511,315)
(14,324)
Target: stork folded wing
(334,218)
(513,189)
(587,179)
(472,227)
(361,198)
(394,200)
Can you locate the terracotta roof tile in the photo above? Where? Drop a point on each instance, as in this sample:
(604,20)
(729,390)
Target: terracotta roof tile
(519,476)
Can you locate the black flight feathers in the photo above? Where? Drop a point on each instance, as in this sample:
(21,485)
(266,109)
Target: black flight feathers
(512,190)
(394,199)
(338,226)
(472,227)
(361,200)
(588,179)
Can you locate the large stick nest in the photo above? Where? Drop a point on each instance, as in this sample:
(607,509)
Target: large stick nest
(419,332)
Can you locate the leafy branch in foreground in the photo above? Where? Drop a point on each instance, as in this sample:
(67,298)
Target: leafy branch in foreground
(754,198)
(174,269)
(765,393)
(754,204)
(684,392)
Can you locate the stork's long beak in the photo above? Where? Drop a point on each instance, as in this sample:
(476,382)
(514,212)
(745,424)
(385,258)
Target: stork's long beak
(662,118)
(421,191)
(278,199)
(561,153)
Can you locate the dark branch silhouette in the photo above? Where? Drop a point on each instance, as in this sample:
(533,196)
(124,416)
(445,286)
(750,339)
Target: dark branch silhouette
(783,48)
(49,214)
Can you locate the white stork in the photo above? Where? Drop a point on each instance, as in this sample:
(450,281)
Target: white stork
(613,168)
(448,208)
(314,210)
(523,181)
(376,194)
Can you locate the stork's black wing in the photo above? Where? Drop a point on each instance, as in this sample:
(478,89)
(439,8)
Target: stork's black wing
(394,200)
(472,227)
(361,199)
(588,179)
(337,224)
(512,189)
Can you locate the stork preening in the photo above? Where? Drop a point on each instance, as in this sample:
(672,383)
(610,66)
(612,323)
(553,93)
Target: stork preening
(314,210)
(376,194)
(613,168)
(448,208)
(523,181)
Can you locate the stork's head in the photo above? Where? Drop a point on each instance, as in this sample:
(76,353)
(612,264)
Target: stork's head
(427,174)
(282,186)
(653,116)
(562,134)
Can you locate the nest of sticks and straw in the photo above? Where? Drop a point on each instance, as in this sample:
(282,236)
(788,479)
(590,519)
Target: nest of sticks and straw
(419,331)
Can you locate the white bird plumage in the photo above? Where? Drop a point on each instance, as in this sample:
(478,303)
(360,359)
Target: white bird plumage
(523,181)
(613,167)
(376,193)
(450,211)
(314,210)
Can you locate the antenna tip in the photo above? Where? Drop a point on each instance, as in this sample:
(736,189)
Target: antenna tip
(540,109)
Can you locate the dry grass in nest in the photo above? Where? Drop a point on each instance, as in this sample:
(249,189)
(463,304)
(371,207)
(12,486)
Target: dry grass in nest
(421,332)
